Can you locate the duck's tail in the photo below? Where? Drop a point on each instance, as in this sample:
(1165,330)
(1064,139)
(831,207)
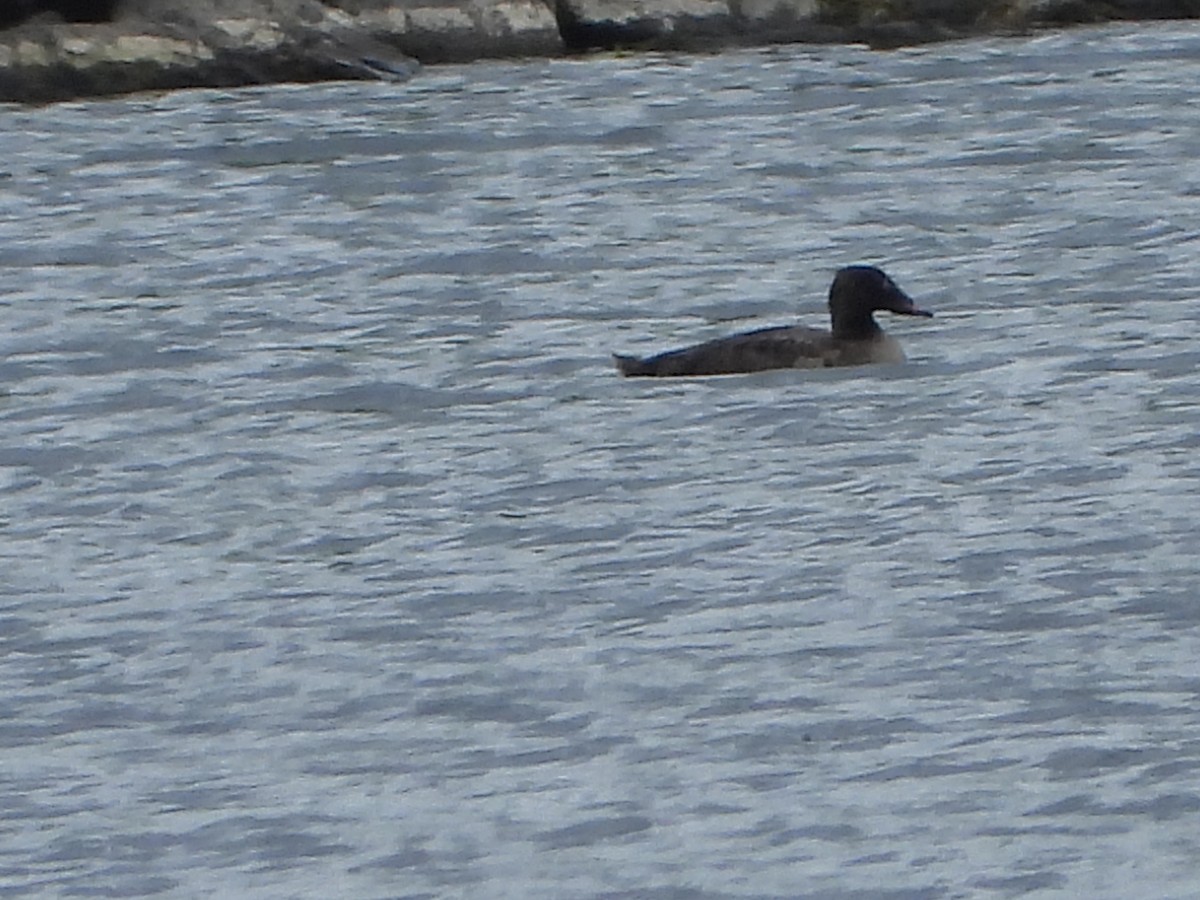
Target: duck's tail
(631,365)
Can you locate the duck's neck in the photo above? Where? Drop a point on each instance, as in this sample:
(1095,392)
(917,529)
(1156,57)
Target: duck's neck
(854,326)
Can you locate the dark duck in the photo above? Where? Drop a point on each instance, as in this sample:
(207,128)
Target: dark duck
(855,338)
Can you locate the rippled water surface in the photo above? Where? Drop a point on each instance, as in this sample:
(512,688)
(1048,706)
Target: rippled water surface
(338,562)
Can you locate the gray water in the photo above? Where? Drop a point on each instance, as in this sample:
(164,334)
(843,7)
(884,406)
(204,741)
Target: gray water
(338,562)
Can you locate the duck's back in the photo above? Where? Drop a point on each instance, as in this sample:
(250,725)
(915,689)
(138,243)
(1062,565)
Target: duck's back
(781,347)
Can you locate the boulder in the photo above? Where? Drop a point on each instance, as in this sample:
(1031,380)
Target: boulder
(1079,12)
(14,12)
(162,44)
(607,24)
(437,31)
(53,49)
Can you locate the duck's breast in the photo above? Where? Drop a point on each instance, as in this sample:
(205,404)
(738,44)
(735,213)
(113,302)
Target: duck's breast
(880,349)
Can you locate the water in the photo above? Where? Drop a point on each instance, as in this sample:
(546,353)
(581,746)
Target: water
(337,560)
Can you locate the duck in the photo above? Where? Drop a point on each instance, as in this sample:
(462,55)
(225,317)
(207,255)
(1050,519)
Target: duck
(854,338)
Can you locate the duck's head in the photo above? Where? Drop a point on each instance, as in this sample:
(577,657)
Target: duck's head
(857,292)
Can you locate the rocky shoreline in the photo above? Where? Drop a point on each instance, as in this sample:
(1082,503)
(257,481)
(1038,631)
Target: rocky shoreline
(63,49)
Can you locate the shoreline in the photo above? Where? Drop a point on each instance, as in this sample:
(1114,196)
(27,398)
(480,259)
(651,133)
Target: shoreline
(130,46)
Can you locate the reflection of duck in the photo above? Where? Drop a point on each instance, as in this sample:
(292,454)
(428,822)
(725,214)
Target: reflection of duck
(856,339)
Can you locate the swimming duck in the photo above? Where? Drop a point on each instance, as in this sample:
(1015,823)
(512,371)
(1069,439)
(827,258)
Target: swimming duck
(855,339)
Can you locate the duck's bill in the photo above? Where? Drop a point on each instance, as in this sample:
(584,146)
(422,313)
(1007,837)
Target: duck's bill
(914,311)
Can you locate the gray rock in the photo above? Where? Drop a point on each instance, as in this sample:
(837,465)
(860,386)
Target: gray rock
(162,44)
(752,11)
(435,31)
(780,20)
(159,44)
(589,24)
